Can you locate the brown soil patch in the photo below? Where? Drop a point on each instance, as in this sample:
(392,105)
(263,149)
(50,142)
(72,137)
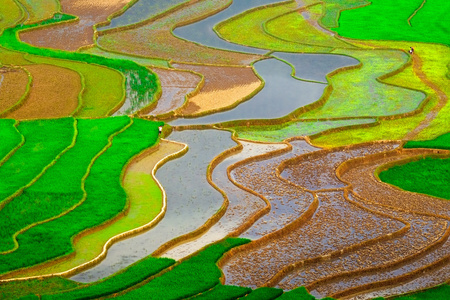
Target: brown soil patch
(13,87)
(73,35)
(175,85)
(224,87)
(361,234)
(54,93)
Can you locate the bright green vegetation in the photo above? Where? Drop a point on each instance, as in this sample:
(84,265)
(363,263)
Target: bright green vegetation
(9,136)
(103,87)
(44,141)
(358,92)
(404,21)
(278,133)
(427,176)
(441,142)
(223,292)
(53,194)
(141,84)
(193,276)
(298,294)
(39,10)
(255,34)
(264,293)
(154,62)
(333,9)
(122,280)
(102,186)
(294,27)
(21,288)
(441,292)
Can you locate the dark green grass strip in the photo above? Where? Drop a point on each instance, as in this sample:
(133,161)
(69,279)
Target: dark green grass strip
(53,193)
(10,138)
(28,288)
(441,292)
(300,293)
(130,276)
(44,140)
(223,292)
(264,293)
(441,142)
(105,199)
(384,21)
(193,276)
(141,83)
(427,176)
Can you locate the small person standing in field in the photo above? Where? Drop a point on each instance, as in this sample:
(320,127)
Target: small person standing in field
(411,50)
(160,130)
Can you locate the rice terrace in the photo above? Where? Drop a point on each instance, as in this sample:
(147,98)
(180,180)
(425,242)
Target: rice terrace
(225,149)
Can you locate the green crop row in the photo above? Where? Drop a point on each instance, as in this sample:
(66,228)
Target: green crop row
(195,275)
(441,142)
(223,292)
(122,280)
(404,21)
(44,141)
(141,83)
(105,199)
(10,137)
(53,194)
(427,176)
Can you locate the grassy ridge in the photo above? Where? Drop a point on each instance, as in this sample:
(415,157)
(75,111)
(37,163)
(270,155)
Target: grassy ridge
(53,194)
(223,292)
(264,293)
(128,277)
(44,140)
(105,199)
(404,21)
(141,83)
(9,136)
(193,276)
(40,10)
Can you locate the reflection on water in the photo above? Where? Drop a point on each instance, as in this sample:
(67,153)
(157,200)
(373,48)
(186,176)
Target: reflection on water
(281,95)
(202,32)
(191,200)
(315,66)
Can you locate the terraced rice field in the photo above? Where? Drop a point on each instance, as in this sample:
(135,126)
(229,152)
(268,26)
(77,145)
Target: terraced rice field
(218,149)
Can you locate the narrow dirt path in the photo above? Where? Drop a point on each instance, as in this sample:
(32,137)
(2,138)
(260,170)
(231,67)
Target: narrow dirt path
(442,98)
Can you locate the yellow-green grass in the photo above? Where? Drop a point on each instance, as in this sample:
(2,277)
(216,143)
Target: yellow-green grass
(103,87)
(53,194)
(435,65)
(295,28)
(394,129)
(154,62)
(11,57)
(44,141)
(333,9)
(248,29)
(39,10)
(102,186)
(10,14)
(278,133)
(358,92)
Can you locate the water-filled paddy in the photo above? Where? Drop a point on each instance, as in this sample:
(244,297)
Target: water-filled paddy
(281,95)
(202,32)
(191,201)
